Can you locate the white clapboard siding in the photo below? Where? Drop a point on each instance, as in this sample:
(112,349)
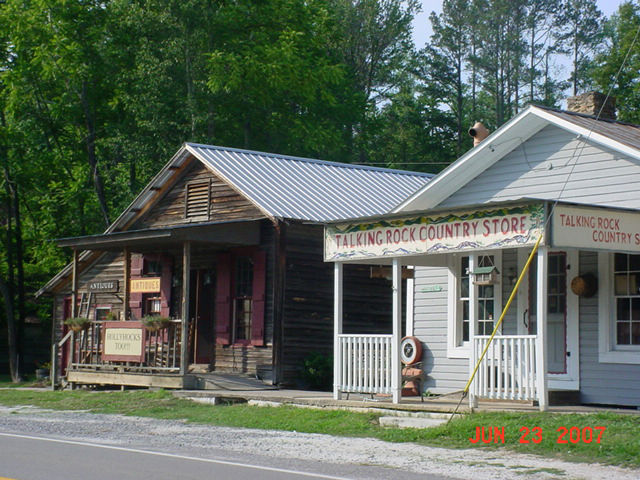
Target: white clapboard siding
(540,168)
(607,383)
(430,326)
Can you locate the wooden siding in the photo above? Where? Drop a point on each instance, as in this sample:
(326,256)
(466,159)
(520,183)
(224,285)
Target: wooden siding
(540,167)
(108,267)
(601,383)
(252,360)
(226,203)
(308,302)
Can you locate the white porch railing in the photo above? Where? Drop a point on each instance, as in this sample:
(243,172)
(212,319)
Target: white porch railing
(365,363)
(508,370)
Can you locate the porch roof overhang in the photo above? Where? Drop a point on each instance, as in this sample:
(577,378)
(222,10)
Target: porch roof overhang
(234,233)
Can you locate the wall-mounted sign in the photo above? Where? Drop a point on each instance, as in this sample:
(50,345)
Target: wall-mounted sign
(431,288)
(470,230)
(106,286)
(145,285)
(123,341)
(596,228)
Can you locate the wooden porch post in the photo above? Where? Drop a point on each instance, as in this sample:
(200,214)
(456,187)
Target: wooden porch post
(541,339)
(127,283)
(473,328)
(74,283)
(396,374)
(338,284)
(186,277)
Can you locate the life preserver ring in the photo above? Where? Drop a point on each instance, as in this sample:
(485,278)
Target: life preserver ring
(410,350)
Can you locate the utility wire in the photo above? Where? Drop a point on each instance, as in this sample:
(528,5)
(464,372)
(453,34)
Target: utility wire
(548,219)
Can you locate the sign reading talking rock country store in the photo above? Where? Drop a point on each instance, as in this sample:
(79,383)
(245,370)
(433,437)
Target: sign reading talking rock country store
(595,228)
(471,230)
(123,341)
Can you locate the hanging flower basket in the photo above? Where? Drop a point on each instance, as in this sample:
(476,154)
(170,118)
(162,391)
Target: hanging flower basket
(78,324)
(155,324)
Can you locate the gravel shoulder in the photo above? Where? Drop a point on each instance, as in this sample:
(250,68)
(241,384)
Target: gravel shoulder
(205,441)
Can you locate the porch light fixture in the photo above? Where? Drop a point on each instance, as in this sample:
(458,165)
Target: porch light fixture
(176,281)
(486,275)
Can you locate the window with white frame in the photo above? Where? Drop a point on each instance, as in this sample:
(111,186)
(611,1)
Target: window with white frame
(626,292)
(618,308)
(488,297)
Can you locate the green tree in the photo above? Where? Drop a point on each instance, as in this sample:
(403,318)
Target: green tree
(443,61)
(580,33)
(612,71)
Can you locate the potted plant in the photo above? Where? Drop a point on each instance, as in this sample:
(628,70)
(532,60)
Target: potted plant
(42,370)
(155,323)
(77,324)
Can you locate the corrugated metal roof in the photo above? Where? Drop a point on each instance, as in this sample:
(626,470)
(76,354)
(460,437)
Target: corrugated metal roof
(306,189)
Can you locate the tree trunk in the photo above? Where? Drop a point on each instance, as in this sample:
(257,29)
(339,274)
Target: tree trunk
(98,185)
(16,374)
(20,271)
(7,288)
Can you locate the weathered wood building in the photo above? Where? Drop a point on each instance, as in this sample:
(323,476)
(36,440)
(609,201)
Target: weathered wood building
(230,240)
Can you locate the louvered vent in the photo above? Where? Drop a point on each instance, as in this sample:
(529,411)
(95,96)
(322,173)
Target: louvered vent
(198,200)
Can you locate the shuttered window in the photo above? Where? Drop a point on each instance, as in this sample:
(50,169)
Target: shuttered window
(198,199)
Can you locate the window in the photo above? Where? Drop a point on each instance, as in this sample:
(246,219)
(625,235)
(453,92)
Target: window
(240,297)
(626,293)
(102,313)
(618,308)
(243,299)
(489,298)
(152,268)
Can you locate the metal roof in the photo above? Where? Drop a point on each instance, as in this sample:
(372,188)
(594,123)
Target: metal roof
(306,189)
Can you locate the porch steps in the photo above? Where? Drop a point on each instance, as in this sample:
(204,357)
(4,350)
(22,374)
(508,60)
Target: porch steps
(229,382)
(564,397)
(413,422)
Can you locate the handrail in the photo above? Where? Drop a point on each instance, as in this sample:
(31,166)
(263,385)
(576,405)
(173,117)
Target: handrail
(57,346)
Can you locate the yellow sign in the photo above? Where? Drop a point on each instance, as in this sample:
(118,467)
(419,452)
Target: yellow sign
(145,285)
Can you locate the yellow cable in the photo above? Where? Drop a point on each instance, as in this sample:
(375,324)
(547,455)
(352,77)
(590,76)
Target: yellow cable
(504,312)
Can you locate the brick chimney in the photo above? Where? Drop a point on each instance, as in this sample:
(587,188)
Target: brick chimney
(590,103)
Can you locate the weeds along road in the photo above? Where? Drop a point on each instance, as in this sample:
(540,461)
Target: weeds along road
(43,444)
(39,458)
(46,445)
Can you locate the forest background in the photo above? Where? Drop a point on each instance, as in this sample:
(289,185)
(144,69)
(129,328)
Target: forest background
(96,96)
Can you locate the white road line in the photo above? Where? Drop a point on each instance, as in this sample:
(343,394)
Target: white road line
(171,455)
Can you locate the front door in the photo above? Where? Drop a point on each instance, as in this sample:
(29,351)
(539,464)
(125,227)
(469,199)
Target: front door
(562,317)
(202,311)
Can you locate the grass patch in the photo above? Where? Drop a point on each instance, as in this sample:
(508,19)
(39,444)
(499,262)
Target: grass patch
(620,443)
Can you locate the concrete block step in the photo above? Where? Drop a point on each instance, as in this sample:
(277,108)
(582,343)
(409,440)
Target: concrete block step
(411,422)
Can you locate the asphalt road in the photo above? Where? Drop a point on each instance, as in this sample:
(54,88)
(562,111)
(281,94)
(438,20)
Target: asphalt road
(27,457)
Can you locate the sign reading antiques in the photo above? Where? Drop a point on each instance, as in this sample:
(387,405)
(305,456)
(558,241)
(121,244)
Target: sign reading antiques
(596,229)
(145,285)
(106,286)
(123,342)
(471,230)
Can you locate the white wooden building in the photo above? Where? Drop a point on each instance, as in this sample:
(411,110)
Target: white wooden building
(574,325)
